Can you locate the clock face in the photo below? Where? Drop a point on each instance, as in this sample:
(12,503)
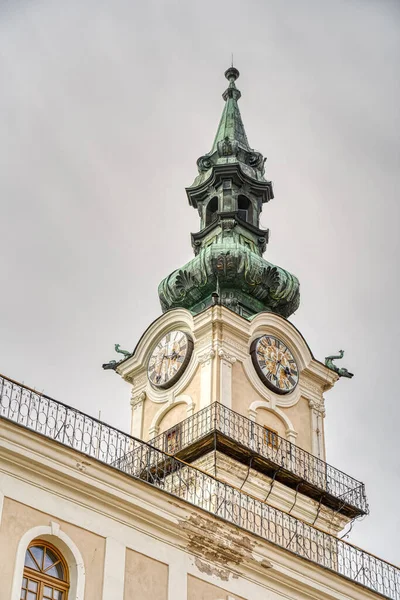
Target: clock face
(169,359)
(275,364)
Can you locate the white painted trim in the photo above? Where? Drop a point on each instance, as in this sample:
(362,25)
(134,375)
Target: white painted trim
(265,405)
(69,550)
(273,324)
(178,318)
(114,570)
(1,504)
(177,578)
(280,400)
(137,403)
(160,414)
(225,377)
(206,377)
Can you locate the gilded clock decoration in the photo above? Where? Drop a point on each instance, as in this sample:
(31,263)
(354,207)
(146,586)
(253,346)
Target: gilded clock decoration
(169,359)
(275,364)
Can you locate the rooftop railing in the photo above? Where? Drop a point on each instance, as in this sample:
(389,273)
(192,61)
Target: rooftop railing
(78,431)
(283,455)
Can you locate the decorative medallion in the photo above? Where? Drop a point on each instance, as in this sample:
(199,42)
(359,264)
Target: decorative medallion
(204,163)
(169,359)
(275,364)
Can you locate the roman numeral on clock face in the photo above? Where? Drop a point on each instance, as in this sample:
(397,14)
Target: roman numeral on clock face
(169,358)
(275,364)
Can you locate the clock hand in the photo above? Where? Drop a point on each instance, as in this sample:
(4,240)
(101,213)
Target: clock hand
(160,360)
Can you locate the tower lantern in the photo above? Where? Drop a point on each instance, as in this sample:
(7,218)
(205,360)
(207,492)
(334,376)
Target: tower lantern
(229,193)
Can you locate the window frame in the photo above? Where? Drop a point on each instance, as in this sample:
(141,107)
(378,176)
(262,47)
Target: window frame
(271,437)
(172,440)
(43,579)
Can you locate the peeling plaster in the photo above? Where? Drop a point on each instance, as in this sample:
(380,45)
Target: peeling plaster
(217,543)
(208,569)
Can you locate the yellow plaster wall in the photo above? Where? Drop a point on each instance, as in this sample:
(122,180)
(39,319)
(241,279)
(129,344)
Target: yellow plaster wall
(201,590)
(174,415)
(193,389)
(145,578)
(300,415)
(18,518)
(243,394)
(149,411)
(151,408)
(272,421)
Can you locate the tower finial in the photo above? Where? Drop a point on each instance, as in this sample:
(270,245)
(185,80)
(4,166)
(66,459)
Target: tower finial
(232,74)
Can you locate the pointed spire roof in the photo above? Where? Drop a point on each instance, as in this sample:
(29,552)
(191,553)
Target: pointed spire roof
(231,124)
(231,147)
(229,192)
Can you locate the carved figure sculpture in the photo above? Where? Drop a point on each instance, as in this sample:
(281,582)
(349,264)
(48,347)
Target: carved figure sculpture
(120,351)
(113,363)
(340,371)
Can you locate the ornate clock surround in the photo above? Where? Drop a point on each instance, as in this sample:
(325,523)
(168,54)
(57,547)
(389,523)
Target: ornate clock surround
(169,359)
(275,364)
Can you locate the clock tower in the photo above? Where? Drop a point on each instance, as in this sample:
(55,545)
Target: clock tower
(223,380)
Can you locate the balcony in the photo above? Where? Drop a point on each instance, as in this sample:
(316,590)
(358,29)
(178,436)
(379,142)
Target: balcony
(140,461)
(216,427)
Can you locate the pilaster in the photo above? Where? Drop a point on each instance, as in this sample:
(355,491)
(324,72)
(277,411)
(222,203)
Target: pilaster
(137,402)
(206,361)
(225,378)
(114,570)
(317,428)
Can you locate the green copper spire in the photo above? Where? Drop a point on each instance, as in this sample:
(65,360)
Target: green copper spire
(231,125)
(229,193)
(231,145)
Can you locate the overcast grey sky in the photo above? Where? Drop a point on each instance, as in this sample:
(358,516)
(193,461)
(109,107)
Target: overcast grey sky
(105,108)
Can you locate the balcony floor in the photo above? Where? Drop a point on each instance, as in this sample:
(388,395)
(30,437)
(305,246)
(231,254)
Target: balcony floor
(215,440)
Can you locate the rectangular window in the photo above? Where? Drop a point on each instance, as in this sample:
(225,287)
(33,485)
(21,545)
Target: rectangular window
(271,438)
(172,441)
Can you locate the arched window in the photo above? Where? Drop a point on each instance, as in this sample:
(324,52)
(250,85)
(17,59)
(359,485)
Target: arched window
(245,209)
(45,573)
(211,210)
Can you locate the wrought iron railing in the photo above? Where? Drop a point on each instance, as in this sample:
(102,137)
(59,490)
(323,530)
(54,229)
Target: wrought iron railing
(87,435)
(258,439)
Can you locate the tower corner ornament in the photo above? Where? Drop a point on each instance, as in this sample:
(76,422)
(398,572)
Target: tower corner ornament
(342,372)
(112,364)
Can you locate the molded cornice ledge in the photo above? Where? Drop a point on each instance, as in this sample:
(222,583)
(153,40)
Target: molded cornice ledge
(320,374)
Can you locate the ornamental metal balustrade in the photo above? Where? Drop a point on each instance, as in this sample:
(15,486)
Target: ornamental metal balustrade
(84,434)
(288,463)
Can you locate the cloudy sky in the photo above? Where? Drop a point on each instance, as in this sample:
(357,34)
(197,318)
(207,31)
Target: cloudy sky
(104,109)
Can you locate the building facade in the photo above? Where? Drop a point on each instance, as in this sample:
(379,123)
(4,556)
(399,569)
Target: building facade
(221,491)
